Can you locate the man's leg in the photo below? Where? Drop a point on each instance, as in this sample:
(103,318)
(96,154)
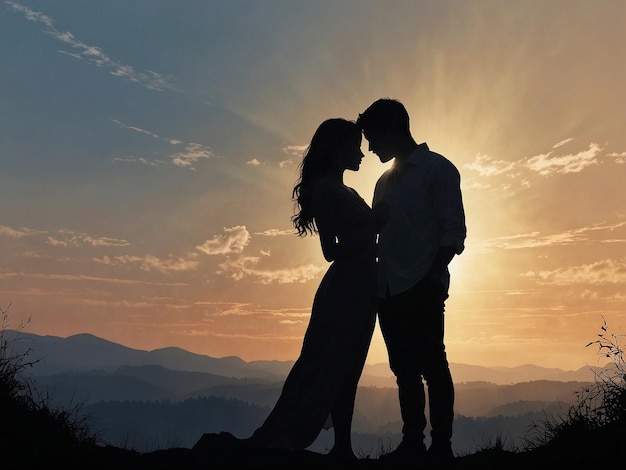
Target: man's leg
(398,327)
(436,372)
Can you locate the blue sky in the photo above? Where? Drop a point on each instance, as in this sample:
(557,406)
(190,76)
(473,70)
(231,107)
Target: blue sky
(149,149)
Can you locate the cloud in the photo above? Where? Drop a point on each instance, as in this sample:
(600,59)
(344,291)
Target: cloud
(133,159)
(233,240)
(153,263)
(294,149)
(619,157)
(246,268)
(487,166)
(536,239)
(81,277)
(562,143)
(608,271)
(66,237)
(92,54)
(32,15)
(192,153)
(136,129)
(253,162)
(185,158)
(19,232)
(146,132)
(274,232)
(238,309)
(546,164)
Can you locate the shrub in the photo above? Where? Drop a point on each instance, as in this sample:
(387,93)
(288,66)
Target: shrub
(599,406)
(31,421)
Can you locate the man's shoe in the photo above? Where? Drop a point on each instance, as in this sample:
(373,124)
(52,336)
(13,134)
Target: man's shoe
(407,451)
(440,453)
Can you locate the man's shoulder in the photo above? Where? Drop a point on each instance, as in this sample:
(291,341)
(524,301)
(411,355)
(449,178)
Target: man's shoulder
(437,159)
(385,175)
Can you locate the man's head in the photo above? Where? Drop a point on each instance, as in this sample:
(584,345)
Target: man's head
(385,124)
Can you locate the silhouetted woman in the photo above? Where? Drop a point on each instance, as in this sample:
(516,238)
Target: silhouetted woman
(323,381)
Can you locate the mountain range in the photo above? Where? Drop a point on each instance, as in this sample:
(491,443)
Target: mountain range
(86,352)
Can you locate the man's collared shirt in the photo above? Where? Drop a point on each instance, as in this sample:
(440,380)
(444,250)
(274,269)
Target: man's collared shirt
(426,212)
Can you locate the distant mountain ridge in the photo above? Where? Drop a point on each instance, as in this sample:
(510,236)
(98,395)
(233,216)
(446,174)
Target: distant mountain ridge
(86,352)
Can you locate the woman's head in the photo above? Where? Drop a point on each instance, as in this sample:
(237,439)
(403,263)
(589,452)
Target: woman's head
(334,145)
(329,145)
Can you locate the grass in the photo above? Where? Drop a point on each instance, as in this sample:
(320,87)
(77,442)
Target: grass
(591,431)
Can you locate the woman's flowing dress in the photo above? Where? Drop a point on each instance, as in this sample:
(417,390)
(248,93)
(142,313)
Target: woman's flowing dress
(340,328)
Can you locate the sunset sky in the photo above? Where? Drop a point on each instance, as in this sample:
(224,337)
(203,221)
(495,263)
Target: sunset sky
(148,150)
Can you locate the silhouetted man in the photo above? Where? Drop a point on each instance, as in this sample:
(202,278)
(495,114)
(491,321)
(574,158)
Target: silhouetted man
(425,229)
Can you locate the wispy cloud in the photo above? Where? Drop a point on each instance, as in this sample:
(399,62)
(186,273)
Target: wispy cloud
(18,232)
(185,158)
(562,143)
(66,237)
(140,160)
(548,164)
(246,267)
(608,271)
(274,232)
(618,157)
(190,155)
(225,309)
(80,277)
(63,237)
(545,164)
(92,54)
(295,150)
(153,263)
(146,132)
(233,240)
(253,162)
(536,239)
(487,166)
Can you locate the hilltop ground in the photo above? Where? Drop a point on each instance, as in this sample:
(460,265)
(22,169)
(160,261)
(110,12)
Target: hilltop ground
(36,445)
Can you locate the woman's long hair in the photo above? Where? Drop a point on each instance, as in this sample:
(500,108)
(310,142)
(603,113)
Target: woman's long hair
(318,159)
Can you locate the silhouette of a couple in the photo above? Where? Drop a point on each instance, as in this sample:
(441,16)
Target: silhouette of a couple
(391,259)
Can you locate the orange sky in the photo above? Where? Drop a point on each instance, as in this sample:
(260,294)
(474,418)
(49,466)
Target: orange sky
(149,154)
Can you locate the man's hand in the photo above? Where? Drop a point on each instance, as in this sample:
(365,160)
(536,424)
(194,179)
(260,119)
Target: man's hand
(433,288)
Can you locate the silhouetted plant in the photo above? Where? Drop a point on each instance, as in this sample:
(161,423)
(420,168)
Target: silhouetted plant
(28,411)
(598,405)
(13,384)
(498,444)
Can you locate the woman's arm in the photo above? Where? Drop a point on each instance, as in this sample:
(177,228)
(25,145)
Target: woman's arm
(328,240)
(324,205)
